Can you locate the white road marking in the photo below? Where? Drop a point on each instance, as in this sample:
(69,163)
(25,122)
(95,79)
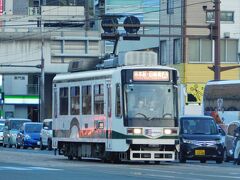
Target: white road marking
(27,168)
(198,175)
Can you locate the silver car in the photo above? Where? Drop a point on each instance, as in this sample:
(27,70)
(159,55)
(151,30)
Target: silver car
(2,124)
(11,129)
(229,140)
(46,135)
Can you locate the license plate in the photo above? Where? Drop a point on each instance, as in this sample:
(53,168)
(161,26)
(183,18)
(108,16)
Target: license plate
(200,152)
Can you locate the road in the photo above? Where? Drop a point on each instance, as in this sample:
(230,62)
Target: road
(38,165)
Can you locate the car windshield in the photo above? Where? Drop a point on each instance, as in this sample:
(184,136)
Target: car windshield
(33,128)
(16,124)
(198,126)
(1,127)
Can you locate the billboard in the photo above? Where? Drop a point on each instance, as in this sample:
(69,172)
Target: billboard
(1,7)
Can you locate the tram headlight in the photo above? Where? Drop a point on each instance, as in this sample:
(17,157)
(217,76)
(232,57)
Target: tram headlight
(137,131)
(167,131)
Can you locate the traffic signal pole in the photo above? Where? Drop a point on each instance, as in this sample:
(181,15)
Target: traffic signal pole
(217,67)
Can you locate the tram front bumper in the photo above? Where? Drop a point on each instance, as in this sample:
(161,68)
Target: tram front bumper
(152,149)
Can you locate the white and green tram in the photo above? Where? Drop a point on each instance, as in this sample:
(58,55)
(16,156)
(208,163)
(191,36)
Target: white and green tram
(127,112)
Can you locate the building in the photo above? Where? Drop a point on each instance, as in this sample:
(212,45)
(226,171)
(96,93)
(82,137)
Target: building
(185,41)
(37,31)
(199,51)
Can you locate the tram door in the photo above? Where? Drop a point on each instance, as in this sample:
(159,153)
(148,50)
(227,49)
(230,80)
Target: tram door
(109,115)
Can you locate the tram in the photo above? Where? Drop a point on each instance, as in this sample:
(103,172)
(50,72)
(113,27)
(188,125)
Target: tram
(125,109)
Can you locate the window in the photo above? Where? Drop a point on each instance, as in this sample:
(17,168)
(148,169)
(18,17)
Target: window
(86,99)
(99,99)
(64,2)
(75,100)
(229,50)
(200,50)
(55,103)
(176,51)
(226,16)
(118,101)
(109,100)
(170,6)
(64,101)
(163,52)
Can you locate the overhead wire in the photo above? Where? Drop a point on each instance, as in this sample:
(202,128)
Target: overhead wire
(93,19)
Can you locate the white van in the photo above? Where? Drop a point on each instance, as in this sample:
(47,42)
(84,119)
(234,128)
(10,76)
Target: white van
(46,135)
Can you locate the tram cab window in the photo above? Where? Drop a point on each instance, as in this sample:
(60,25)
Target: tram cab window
(86,99)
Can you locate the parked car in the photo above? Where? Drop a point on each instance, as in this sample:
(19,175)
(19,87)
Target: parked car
(29,136)
(11,129)
(200,139)
(229,140)
(2,123)
(46,135)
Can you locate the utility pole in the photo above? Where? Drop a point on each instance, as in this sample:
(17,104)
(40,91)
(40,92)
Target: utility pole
(42,80)
(217,67)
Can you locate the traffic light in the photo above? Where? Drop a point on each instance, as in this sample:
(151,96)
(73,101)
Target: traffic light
(109,25)
(131,26)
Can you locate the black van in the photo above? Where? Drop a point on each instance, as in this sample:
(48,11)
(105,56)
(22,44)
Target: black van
(200,139)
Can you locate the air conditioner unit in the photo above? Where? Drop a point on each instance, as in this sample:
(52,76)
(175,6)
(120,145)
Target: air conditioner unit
(226,34)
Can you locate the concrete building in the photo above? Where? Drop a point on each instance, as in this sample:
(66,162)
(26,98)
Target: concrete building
(198,47)
(40,29)
(190,50)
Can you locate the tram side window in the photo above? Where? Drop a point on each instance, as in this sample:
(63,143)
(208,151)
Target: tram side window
(99,99)
(86,99)
(64,101)
(118,101)
(75,100)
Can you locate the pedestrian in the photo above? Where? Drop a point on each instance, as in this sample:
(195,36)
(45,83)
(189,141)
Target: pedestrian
(237,145)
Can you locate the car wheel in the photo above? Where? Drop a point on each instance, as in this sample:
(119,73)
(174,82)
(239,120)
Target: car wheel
(226,158)
(41,145)
(219,161)
(17,146)
(49,144)
(203,161)
(70,157)
(4,145)
(181,158)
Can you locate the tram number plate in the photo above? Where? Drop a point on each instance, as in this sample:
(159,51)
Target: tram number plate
(200,152)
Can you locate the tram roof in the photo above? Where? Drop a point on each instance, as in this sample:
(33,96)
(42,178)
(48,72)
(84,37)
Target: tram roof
(102,72)
(223,82)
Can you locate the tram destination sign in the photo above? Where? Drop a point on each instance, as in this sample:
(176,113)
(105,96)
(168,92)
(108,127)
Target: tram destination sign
(151,75)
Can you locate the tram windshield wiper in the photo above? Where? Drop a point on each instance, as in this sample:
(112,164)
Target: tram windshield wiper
(145,116)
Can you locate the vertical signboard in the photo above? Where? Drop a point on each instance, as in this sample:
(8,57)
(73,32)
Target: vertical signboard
(1,7)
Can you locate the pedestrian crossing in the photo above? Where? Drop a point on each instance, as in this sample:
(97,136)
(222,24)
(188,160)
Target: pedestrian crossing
(19,168)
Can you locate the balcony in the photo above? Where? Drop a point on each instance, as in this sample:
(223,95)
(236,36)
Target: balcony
(32,89)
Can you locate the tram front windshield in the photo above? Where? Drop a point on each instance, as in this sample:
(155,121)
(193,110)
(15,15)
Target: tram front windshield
(150,105)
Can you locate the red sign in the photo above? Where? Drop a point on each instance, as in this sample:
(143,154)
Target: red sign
(1,7)
(151,75)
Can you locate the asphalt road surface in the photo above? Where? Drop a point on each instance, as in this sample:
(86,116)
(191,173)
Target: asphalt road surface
(19,164)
